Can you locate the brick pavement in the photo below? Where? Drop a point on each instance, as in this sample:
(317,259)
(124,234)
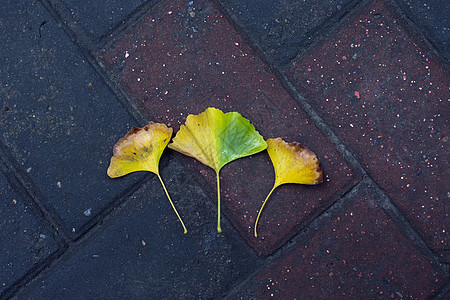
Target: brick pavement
(364,84)
(177,70)
(345,255)
(386,99)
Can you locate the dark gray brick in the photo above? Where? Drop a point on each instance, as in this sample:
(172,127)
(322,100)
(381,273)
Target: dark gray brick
(25,241)
(58,118)
(97,17)
(433,18)
(142,253)
(280,27)
(384,94)
(240,82)
(355,251)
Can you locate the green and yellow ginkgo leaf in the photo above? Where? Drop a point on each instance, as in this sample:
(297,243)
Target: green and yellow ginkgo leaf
(140,150)
(293,163)
(215,139)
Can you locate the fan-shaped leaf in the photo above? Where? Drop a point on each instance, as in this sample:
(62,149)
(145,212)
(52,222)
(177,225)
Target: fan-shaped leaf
(215,139)
(140,150)
(293,163)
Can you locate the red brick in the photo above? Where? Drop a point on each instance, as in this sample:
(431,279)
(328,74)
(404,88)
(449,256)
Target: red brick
(386,96)
(180,59)
(356,252)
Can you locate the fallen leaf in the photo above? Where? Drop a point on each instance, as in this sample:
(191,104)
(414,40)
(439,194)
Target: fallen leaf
(215,139)
(140,150)
(293,163)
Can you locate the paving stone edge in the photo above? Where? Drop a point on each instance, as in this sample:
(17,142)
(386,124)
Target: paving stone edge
(388,208)
(90,47)
(417,31)
(91,52)
(72,247)
(24,186)
(312,37)
(34,272)
(25,190)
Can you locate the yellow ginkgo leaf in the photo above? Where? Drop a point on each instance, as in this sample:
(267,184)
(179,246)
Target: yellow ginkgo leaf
(293,163)
(215,139)
(140,150)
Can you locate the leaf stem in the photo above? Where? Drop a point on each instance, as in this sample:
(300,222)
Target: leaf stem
(171,203)
(218,202)
(259,214)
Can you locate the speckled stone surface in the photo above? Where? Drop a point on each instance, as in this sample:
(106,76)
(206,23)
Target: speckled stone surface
(59,119)
(182,58)
(141,251)
(356,251)
(25,240)
(281,28)
(386,97)
(433,18)
(99,17)
(75,76)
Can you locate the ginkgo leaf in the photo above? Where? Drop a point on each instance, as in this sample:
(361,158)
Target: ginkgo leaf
(140,150)
(215,139)
(293,163)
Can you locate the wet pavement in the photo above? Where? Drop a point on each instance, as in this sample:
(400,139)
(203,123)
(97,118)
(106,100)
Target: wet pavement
(363,84)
